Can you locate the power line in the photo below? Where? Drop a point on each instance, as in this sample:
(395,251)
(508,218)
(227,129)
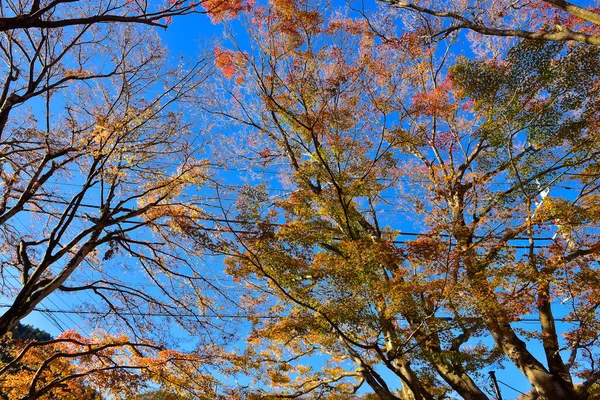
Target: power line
(220,167)
(47,298)
(285,191)
(241,316)
(53,320)
(510,387)
(151,314)
(275,224)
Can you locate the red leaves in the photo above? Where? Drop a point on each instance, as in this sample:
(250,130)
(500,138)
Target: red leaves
(74,367)
(221,10)
(229,62)
(350,26)
(435,102)
(425,248)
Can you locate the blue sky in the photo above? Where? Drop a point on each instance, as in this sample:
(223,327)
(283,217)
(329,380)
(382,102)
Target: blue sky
(188,36)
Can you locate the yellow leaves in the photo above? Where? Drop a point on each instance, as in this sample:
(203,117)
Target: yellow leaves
(78,368)
(160,190)
(563,212)
(357,257)
(277,378)
(101,132)
(123,135)
(591,205)
(231,63)
(109,134)
(286,7)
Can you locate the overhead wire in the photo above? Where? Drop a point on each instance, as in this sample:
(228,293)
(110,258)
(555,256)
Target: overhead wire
(416,234)
(241,316)
(289,191)
(52,319)
(221,167)
(398,233)
(50,300)
(510,387)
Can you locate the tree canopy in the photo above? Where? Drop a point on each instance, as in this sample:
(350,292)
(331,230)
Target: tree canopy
(374,131)
(335,200)
(99,166)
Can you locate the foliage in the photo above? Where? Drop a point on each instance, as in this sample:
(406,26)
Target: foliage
(405,210)
(352,112)
(112,365)
(98,170)
(15,340)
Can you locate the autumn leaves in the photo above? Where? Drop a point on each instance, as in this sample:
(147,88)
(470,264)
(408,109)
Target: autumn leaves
(370,178)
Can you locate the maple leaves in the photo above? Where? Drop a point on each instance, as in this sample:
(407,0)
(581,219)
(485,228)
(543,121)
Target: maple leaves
(230,63)
(220,11)
(352,116)
(76,367)
(435,102)
(407,233)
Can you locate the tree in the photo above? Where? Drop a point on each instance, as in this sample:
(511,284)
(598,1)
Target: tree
(106,138)
(23,333)
(98,159)
(553,20)
(59,30)
(53,14)
(15,340)
(374,135)
(75,367)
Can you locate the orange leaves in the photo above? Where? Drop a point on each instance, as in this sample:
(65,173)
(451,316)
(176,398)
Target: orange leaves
(76,73)
(76,367)
(285,7)
(230,63)
(277,378)
(71,366)
(435,102)
(116,136)
(296,14)
(424,249)
(221,10)
(290,23)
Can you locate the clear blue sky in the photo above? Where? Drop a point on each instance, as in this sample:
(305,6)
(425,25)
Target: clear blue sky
(187,37)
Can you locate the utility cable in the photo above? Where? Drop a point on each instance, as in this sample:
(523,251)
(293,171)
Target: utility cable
(510,387)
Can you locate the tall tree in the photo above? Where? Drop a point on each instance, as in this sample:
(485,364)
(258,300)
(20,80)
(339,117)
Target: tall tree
(97,155)
(372,135)
(76,367)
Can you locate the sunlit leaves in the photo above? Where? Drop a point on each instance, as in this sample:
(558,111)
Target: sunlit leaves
(365,122)
(73,366)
